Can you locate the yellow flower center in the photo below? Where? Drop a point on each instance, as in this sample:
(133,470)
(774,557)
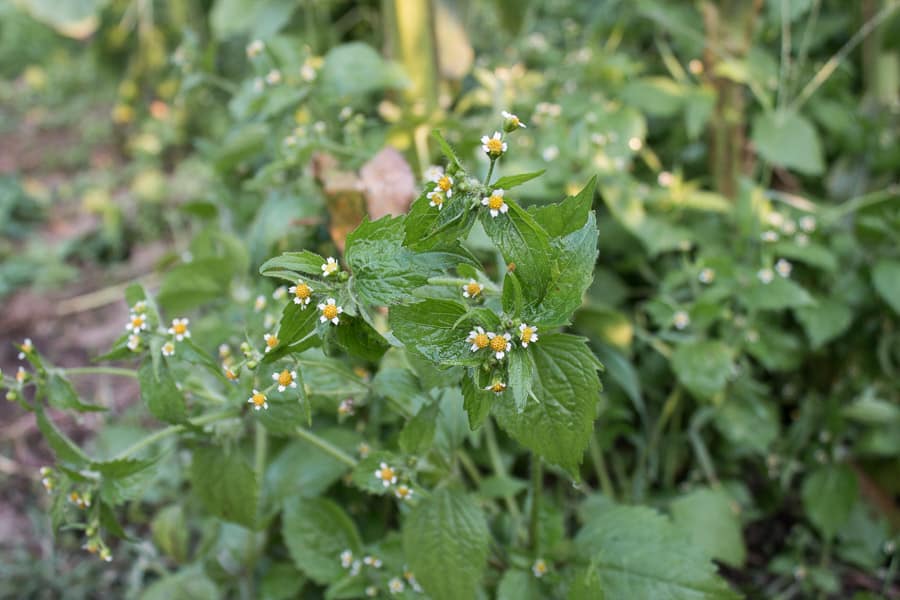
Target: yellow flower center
(179,328)
(473,288)
(540,567)
(258,399)
(137,321)
(498,344)
(386,474)
(403,491)
(514,120)
(444,183)
(272,341)
(168,348)
(495,202)
(526,334)
(494,146)
(330,311)
(285,378)
(498,387)
(302,291)
(74,497)
(481,340)
(437,199)
(230,375)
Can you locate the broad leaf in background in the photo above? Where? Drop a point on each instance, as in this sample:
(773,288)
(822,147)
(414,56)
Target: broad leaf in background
(829,494)
(637,553)
(558,424)
(778,294)
(703,367)
(356,69)
(225,484)
(709,519)
(788,140)
(824,320)
(886,277)
(316,531)
(163,398)
(445,540)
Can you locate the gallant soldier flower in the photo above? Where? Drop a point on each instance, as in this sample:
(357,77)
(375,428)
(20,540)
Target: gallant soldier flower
(493,146)
(495,203)
(25,348)
(386,475)
(302,293)
(330,267)
(168,349)
(528,334)
(285,379)
(472,289)
(180,329)
(330,312)
(479,339)
(271,341)
(258,400)
(500,344)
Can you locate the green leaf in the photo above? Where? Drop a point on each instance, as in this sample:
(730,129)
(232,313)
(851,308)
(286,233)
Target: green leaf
(305,262)
(635,552)
(574,256)
(788,140)
(778,294)
(824,320)
(445,540)
(812,254)
(446,149)
(122,467)
(158,390)
(525,247)
(364,477)
(521,373)
(418,434)
(511,297)
(360,339)
(519,585)
(356,69)
(301,469)
(557,424)
(657,96)
(710,521)
(297,323)
(829,494)
(873,411)
(511,181)
(61,394)
(568,216)
(170,533)
(476,402)
(225,484)
(703,367)
(190,584)
(316,531)
(886,278)
(189,285)
(64,448)
(436,330)
(287,410)
(281,581)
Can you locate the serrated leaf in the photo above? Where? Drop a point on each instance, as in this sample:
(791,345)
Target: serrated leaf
(426,227)
(886,278)
(418,434)
(64,448)
(294,330)
(703,367)
(306,262)
(778,294)
(709,519)
(511,181)
(476,402)
(634,552)
(519,585)
(445,540)
(562,218)
(824,320)
(525,247)
(557,423)
(122,467)
(225,484)
(360,339)
(436,330)
(316,531)
(521,373)
(61,394)
(446,149)
(511,297)
(789,140)
(829,493)
(158,390)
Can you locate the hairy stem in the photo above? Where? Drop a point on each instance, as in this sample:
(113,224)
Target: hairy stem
(173,429)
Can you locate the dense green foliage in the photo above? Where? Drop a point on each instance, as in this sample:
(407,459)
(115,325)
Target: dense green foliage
(697,208)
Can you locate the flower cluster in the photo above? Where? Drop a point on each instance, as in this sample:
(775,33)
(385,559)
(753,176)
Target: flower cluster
(387,475)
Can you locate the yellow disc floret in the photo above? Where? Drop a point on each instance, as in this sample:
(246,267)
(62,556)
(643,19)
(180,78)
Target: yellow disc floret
(285,378)
(498,344)
(330,311)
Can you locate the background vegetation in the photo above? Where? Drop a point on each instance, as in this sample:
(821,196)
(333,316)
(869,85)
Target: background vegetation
(745,300)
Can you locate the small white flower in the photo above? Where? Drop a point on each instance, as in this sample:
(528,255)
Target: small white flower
(371,591)
(635,144)
(789,227)
(783,267)
(512,121)
(269,321)
(808,223)
(775,219)
(285,379)
(665,179)
(706,275)
(345,408)
(271,341)
(396,585)
(224,350)
(273,77)
(478,339)
(137,323)
(259,304)
(472,289)
(528,334)
(330,312)
(308,71)
(435,199)
(500,344)
(25,348)
(355,568)
(139,307)
(403,492)
(433,172)
(345,113)
(363,449)
(801,239)
(302,293)
(168,349)
(21,375)
(346,559)
(255,48)
(330,267)
(539,568)
(258,400)
(495,203)
(493,146)
(371,561)
(134,342)
(765,275)
(550,153)
(681,320)
(443,184)
(180,329)
(498,387)
(769,236)
(386,475)
(280,293)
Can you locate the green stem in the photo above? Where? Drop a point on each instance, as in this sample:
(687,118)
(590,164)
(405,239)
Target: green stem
(99,371)
(469,466)
(497,465)
(173,429)
(889,576)
(326,447)
(601,470)
(261,449)
(537,484)
(487,179)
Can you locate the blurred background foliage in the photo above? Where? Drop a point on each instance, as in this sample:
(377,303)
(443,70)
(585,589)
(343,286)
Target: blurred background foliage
(746,301)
